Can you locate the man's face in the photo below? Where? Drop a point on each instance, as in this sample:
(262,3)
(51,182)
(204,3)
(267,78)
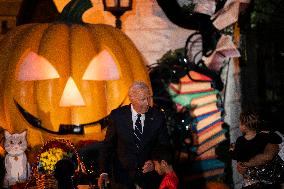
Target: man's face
(141,100)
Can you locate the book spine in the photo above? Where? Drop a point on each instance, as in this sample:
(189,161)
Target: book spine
(178,91)
(202,117)
(204,109)
(211,143)
(209,154)
(212,137)
(199,128)
(203,100)
(215,129)
(195,76)
(204,123)
(185,99)
(191,87)
(217,125)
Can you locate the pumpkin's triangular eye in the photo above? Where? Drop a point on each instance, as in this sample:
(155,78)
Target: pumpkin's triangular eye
(102,67)
(35,67)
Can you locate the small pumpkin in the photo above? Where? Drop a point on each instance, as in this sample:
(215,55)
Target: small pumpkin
(65,76)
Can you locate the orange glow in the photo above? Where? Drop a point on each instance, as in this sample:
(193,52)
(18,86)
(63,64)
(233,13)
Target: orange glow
(102,67)
(60,4)
(35,67)
(71,95)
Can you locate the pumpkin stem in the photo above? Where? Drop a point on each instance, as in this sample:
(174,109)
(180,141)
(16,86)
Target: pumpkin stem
(74,11)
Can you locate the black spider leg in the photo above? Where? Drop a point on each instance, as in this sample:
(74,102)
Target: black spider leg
(193,21)
(201,67)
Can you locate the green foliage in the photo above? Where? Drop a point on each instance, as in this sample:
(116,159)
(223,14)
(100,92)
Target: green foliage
(264,11)
(172,56)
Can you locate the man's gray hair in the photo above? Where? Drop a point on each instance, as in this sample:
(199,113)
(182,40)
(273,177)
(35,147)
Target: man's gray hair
(137,85)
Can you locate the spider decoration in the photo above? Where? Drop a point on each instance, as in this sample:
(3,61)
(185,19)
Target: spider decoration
(194,21)
(209,18)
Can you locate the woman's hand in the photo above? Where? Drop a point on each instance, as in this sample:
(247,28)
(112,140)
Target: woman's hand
(241,168)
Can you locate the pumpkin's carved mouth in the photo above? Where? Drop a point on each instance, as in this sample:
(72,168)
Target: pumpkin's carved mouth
(64,129)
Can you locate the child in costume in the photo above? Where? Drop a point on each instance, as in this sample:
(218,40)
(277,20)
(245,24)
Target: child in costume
(163,162)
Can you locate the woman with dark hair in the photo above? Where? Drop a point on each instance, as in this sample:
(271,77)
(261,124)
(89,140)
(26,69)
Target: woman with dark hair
(263,171)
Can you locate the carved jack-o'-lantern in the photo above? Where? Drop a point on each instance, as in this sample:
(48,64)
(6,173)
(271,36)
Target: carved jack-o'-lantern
(59,79)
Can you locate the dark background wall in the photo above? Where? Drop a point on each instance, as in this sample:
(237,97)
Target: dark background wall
(262,63)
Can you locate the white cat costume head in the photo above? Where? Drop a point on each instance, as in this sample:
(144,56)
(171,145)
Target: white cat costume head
(15,144)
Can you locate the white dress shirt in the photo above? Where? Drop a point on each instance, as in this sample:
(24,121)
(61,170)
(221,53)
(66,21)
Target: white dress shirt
(134,117)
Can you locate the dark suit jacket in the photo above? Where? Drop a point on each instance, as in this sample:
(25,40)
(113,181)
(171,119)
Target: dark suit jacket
(119,143)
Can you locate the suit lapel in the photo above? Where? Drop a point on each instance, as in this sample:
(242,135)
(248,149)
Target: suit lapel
(129,127)
(147,126)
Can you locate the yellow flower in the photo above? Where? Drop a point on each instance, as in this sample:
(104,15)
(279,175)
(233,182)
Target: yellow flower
(49,158)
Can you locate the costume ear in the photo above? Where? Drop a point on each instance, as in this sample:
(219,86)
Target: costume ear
(7,134)
(24,133)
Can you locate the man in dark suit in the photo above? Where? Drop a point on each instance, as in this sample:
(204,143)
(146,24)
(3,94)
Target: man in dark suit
(135,131)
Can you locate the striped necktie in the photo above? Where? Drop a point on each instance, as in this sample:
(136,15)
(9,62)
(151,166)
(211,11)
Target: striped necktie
(138,132)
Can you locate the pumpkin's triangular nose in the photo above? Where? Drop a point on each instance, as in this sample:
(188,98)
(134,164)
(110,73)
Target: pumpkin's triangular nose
(71,95)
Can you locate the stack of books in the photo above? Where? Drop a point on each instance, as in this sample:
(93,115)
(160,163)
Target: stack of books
(209,168)
(195,93)
(208,133)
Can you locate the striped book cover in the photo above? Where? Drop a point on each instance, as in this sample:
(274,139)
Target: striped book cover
(207,121)
(207,133)
(210,143)
(209,154)
(202,100)
(204,116)
(193,76)
(201,110)
(185,99)
(194,87)
(210,125)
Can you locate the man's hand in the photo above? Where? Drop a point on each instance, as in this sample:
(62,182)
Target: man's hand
(241,168)
(102,180)
(148,166)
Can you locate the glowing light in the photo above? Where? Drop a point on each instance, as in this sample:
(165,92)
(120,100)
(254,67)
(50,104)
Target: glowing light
(60,4)
(71,95)
(35,67)
(102,67)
